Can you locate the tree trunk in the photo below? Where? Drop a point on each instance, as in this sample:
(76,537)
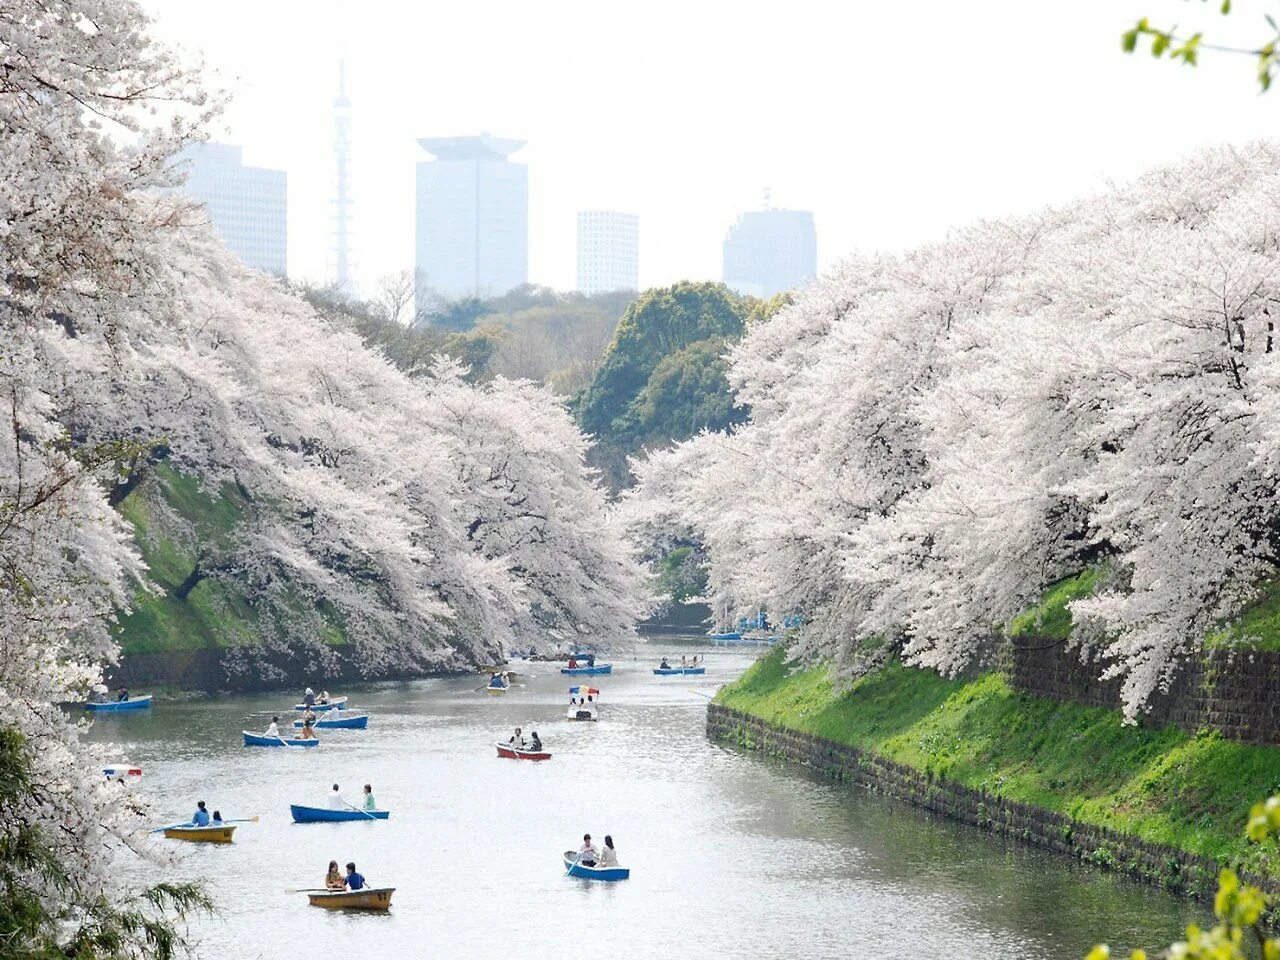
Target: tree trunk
(189,584)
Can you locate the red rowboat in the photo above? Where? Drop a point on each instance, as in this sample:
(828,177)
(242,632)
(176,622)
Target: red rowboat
(516,753)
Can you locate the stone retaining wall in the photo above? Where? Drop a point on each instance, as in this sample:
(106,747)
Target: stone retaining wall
(1233,691)
(1154,863)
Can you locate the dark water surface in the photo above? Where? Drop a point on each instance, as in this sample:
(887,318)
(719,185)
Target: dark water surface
(731,855)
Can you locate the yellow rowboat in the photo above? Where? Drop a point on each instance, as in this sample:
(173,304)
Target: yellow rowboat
(210,834)
(378,898)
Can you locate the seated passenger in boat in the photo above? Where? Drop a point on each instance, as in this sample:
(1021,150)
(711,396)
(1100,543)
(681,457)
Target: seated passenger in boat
(664,665)
(369,804)
(591,659)
(333,879)
(308,732)
(588,855)
(573,663)
(336,800)
(217,818)
(684,662)
(354,880)
(517,739)
(123,695)
(201,817)
(608,856)
(309,698)
(333,713)
(535,744)
(273,730)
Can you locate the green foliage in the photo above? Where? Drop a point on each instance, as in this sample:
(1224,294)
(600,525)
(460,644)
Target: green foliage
(1051,618)
(1165,43)
(658,324)
(218,611)
(687,392)
(1162,785)
(32,929)
(1258,625)
(681,574)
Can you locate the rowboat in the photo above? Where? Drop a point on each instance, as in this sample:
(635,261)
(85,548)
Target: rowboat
(677,671)
(210,834)
(497,688)
(582,711)
(258,740)
(519,753)
(114,772)
(303,814)
(342,723)
(113,706)
(587,671)
(574,869)
(368,899)
(318,707)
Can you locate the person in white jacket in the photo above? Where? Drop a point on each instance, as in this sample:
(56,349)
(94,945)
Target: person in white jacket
(337,801)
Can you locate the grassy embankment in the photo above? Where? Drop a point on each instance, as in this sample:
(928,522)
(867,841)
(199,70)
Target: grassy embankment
(217,612)
(1191,791)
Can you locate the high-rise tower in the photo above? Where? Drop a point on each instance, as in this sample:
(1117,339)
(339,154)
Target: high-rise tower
(342,185)
(473,218)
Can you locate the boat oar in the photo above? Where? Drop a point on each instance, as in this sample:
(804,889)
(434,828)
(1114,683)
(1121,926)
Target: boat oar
(173,826)
(309,890)
(358,810)
(253,819)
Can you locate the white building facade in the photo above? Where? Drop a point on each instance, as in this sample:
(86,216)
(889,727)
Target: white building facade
(770,251)
(472,236)
(247,206)
(608,251)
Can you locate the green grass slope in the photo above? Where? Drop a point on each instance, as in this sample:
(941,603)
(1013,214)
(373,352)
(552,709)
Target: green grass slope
(1163,785)
(217,612)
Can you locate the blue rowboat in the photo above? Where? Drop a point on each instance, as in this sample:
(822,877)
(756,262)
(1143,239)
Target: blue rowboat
(587,671)
(574,869)
(342,723)
(318,707)
(726,635)
(112,706)
(677,671)
(258,740)
(303,814)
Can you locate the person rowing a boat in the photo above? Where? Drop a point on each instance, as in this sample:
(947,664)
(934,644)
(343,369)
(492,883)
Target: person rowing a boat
(201,817)
(588,855)
(308,731)
(664,665)
(122,695)
(573,663)
(517,739)
(333,713)
(309,698)
(333,879)
(273,729)
(354,880)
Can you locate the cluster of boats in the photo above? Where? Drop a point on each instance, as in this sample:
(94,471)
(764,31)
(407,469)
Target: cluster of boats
(332,718)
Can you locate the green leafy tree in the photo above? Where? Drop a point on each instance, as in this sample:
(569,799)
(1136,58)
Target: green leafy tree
(1169,43)
(658,324)
(687,392)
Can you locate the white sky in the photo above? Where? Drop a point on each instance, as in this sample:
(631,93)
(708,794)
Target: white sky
(892,120)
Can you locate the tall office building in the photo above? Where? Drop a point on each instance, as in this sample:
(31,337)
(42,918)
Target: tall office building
(472,218)
(247,206)
(769,251)
(608,251)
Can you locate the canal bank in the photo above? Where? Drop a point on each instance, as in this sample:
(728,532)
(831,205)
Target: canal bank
(1162,805)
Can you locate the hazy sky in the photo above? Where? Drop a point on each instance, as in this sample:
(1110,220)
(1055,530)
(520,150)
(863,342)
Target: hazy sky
(893,121)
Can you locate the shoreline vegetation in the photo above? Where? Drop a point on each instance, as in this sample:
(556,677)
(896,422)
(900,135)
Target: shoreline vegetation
(1163,786)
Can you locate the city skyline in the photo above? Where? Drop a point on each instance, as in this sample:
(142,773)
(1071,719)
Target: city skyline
(665,141)
(247,205)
